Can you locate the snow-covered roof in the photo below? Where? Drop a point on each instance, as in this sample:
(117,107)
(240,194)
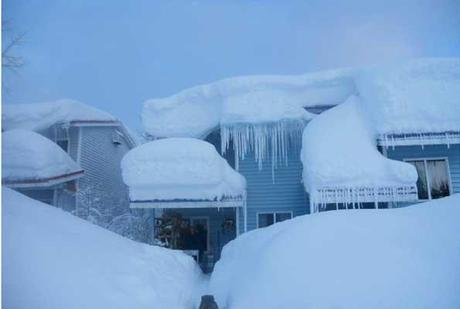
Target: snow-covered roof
(415,97)
(342,164)
(40,116)
(30,159)
(175,169)
(196,111)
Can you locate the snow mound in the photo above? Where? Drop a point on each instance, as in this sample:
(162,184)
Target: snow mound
(179,168)
(53,260)
(419,96)
(29,156)
(40,116)
(393,258)
(196,111)
(339,154)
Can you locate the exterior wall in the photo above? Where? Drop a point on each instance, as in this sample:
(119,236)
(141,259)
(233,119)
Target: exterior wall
(452,154)
(283,193)
(101,191)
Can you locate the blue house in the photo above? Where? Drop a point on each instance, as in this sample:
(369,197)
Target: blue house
(315,142)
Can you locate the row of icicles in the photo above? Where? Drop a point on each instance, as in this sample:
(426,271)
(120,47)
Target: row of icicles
(266,141)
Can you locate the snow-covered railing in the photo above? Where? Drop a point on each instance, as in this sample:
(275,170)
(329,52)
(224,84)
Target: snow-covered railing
(268,141)
(319,198)
(409,139)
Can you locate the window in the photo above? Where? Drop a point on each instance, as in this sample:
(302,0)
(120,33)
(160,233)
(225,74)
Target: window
(267,219)
(64,144)
(433,178)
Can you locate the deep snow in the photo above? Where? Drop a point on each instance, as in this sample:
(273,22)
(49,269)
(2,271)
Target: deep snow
(417,96)
(339,152)
(31,156)
(179,168)
(53,260)
(40,116)
(194,112)
(394,258)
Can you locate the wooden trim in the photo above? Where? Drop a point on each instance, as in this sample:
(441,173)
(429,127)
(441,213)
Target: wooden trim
(43,182)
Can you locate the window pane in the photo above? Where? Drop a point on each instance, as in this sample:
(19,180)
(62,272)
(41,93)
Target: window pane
(422,185)
(283,216)
(63,144)
(439,179)
(265,220)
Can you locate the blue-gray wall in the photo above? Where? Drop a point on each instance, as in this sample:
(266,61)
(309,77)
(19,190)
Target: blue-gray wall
(452,154)
(283,193)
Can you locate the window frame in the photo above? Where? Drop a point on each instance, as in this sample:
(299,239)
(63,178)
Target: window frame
(428,182)
(290,212)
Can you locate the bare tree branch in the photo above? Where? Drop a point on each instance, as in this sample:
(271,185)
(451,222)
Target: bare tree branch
(9,59)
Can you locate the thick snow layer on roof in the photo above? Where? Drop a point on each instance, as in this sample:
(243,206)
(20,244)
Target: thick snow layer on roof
(179,168)
(419,96)
(29,156)
(196,111)
(54,260)
(339,152)
(393,258)
(40,116)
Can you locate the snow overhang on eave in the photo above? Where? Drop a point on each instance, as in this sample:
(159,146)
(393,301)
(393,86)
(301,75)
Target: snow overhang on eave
(363,194)
(43,182)
(224,203)
(419,139)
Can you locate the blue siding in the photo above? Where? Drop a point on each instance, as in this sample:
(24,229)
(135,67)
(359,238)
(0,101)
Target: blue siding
(452,153)
(283,193)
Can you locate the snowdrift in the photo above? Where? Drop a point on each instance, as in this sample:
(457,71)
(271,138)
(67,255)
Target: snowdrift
(341,162)
(179,168)
(53,260)
(418,96)
(40,116)
(194,112)
(30,157)
(395,258)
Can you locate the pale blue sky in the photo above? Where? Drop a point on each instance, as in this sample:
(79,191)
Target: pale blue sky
(116,54)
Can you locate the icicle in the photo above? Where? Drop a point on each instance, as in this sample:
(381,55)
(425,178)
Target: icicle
(267,141)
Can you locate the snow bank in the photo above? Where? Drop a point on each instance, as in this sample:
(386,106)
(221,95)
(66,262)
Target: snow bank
(40,116)
(179,168)
(342,164)
(196,111)
(28,156)
(53,260)
(419,96)
(394,258)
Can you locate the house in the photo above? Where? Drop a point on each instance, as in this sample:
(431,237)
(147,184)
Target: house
(313,142)
(96,142)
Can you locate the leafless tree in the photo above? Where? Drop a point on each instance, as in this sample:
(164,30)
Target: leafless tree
(10,60)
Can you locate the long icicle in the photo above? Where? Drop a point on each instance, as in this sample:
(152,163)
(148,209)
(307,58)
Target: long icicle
(267,141)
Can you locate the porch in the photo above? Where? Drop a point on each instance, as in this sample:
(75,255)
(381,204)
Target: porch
(199,232)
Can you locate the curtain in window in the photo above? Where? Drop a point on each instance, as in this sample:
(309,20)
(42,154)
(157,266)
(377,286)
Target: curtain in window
(422,184)
(439,178)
